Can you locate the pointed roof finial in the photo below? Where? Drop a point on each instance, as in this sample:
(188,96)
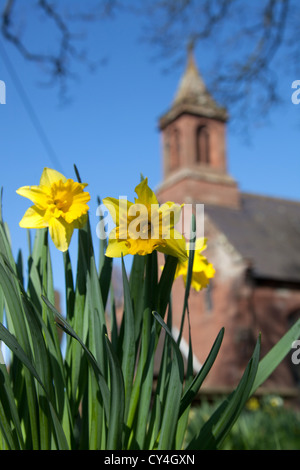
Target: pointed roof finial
(190,49)
(191,63)
(192,95)
(191,87)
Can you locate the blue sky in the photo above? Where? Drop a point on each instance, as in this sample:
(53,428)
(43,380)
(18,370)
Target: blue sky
(110,131)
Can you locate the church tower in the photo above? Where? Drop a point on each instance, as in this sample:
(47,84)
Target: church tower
(194,146)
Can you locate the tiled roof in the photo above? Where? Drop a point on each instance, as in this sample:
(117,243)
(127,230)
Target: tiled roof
(265,231)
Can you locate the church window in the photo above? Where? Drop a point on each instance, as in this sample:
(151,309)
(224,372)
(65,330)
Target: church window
(167,147)
(202,150)
(176,149)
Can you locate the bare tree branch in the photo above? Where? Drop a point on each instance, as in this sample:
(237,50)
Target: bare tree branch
(57,64)
(245,39)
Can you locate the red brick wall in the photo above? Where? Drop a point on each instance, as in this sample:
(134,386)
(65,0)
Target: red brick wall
(195,188)
(272,307)
(243,309)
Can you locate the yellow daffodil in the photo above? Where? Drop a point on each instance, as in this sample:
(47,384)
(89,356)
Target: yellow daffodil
(253,404)
(144,226)
(203,271)
(59,203)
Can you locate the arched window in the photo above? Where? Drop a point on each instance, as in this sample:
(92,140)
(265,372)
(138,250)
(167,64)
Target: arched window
(175,154)
(202,143)
(166,149)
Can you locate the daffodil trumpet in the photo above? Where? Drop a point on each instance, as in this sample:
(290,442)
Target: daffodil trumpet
(144,226)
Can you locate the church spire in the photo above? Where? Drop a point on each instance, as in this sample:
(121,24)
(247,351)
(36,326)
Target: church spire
(192,95)
(194,148)
(191,87)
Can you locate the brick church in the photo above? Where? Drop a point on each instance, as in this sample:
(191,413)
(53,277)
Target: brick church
(253,243)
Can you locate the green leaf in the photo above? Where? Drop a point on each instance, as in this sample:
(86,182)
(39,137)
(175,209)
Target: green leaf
(105,264)
(128,341)
(166,283)
(78,317)
(62,323)
(69,285)
(117,401)
(145,383)
(6,430)
(137,286)
(142,389)
(154,425)
(191,391)
(171,409)
(15,347)
(13,303)
(274,357)
(44,395)
(105,278)
(19,338)
(220,423)
(96,345)
(9,413)
(188,278)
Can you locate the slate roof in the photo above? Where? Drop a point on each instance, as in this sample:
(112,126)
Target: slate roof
(265,231)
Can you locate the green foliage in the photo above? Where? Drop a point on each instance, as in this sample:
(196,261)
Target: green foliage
(100,393)
(270,426)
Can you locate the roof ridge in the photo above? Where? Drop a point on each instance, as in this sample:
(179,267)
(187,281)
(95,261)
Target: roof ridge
(274,198)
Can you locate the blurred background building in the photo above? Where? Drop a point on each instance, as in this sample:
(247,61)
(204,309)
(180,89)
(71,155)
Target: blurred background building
(253,243)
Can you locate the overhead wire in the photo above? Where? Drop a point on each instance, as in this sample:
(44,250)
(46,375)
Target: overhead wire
(30,110)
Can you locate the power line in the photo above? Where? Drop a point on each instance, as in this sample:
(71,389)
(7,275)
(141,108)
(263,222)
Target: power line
(30,111)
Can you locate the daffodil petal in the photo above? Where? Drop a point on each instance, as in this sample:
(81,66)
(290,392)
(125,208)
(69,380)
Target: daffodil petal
(181,269)
(36,194)
(201,264)
(117,208)
(60,233)
(199,281)
(76,211)
(145,194)
(174,246)
(116,248)
(201,244)
(169,216)
(50,176)
(142,246)
(209,271)
(33,218)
